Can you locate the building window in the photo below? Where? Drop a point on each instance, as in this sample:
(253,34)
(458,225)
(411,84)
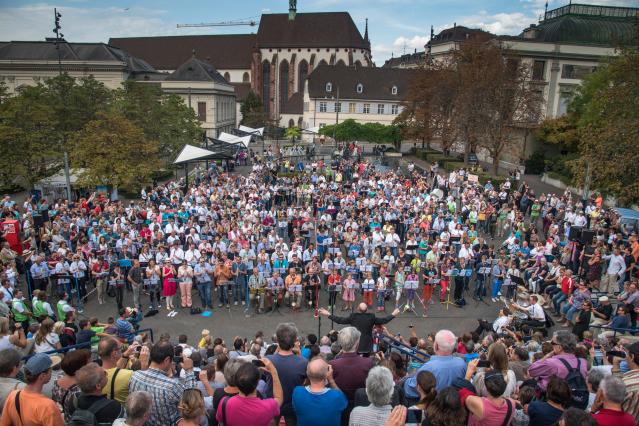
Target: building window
(576,72)
(227,77)
(538,71)
(284,95)
(201,111)
(338,107)
(351,108)
(266,86)
(394,90)
(306,106)
(380,108)
(329,87)
(394,109)
(246,78)
(367,109)
(322,107)
(301,79)
(360,88)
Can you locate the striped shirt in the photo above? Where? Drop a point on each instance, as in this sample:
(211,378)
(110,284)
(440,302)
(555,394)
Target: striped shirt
(166,392)
(371,415)
(631,403)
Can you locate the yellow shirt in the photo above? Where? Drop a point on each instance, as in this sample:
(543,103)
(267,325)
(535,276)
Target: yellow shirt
(121,390)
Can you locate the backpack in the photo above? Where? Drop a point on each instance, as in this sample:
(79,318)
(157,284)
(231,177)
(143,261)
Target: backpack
(577,384)
(87,417)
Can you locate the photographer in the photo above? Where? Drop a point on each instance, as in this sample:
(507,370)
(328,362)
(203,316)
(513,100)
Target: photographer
(160,381)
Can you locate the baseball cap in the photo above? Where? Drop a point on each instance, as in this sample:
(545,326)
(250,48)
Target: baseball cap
(39,363)
(603,299)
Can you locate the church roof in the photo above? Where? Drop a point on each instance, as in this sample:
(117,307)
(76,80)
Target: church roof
(230,51)
(377,83)
(196,70)
(459,33)
(329,29)
(586,24)
(88,52)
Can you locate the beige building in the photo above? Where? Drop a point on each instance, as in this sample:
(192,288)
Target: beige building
(207,92)
(26,63)
(367,95)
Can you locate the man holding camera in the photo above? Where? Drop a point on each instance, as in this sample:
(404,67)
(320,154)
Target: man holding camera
(162,382)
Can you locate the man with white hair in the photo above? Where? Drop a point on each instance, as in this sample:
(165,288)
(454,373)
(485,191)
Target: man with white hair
(350,369)
(607,407)
(379,390)
(445,367)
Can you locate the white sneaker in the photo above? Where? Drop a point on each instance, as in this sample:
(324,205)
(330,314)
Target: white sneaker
(234,303)
(243,303)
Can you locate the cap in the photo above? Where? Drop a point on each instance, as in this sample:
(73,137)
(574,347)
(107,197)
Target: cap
(39,363)
(634,350)
(603,299)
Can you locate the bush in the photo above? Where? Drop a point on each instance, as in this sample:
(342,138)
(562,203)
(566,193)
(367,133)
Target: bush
(536,164)
(449,166)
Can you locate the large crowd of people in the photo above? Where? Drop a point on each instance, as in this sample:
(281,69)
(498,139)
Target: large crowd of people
(284,235)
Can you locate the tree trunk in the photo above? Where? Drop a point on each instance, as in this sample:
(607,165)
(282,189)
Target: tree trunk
(496,163)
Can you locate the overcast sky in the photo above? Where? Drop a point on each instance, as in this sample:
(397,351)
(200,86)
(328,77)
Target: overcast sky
(395,26)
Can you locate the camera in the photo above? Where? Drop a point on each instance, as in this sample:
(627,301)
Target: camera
(483,364)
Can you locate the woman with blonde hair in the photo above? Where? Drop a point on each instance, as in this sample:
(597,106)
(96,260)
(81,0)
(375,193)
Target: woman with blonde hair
(191,408)
(46,339)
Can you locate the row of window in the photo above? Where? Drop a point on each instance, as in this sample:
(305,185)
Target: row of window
(224,109)
(356,108)
(359,88)
(568,71)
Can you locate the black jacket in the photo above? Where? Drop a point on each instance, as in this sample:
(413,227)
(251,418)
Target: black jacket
(107,414)
(364,322)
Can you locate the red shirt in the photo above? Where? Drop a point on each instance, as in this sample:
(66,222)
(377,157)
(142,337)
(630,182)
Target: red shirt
(566,285)
(606,417)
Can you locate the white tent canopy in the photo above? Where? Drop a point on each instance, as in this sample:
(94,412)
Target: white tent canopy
(227,137)
(193,153)
(251,130)
(313,130)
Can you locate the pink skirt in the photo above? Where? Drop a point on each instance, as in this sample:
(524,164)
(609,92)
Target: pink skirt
(348,295)
(169,288)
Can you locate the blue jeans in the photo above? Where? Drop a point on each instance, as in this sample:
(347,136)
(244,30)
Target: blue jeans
(496,287)
(223,295)
(557,299)
(239,292)
(205,294)
(568,310)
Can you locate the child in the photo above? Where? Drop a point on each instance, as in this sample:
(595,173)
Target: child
(205,334)
(526,395)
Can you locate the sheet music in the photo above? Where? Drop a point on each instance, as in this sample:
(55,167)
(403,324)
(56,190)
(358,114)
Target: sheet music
(411,285)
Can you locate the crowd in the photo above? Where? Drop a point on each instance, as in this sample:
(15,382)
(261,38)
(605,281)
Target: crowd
(283,235)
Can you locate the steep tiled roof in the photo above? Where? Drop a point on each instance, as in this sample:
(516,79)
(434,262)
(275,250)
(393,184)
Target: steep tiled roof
(377,83)
(196,70)
(231,51)
(331,29)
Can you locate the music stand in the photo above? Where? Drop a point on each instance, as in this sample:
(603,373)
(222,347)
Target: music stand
(412,285)
(447,302)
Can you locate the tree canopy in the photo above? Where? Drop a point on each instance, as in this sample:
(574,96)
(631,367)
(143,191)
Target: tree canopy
(350,130)
(253,113)
(38,123)
(478,98)
(606,107)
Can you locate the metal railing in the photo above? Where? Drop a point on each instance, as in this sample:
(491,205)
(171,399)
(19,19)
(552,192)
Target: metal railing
(403,348)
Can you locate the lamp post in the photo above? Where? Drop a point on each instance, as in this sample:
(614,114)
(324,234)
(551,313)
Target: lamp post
(338,107)
(57,29)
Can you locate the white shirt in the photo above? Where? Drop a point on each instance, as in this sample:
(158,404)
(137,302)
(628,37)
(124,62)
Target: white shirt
(616,264)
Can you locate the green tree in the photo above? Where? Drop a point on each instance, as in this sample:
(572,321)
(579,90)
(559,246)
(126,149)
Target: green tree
(252,110)
(29,144)
(293,133)
(607,106)
(164,119)
(4,91)
(112,150)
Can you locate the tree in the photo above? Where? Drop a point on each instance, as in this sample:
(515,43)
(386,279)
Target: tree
(252,110)
(293,133)
(29,144)
(164,119)
(112,150)
(4,91)
(607,106)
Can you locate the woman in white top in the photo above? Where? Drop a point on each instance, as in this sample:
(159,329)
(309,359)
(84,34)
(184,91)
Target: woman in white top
(8,340)
(45,339)
(498,358)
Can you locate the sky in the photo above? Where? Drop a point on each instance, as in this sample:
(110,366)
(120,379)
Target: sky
(395,26)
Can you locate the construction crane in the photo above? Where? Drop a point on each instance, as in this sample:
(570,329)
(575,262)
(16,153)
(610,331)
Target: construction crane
(251,23)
